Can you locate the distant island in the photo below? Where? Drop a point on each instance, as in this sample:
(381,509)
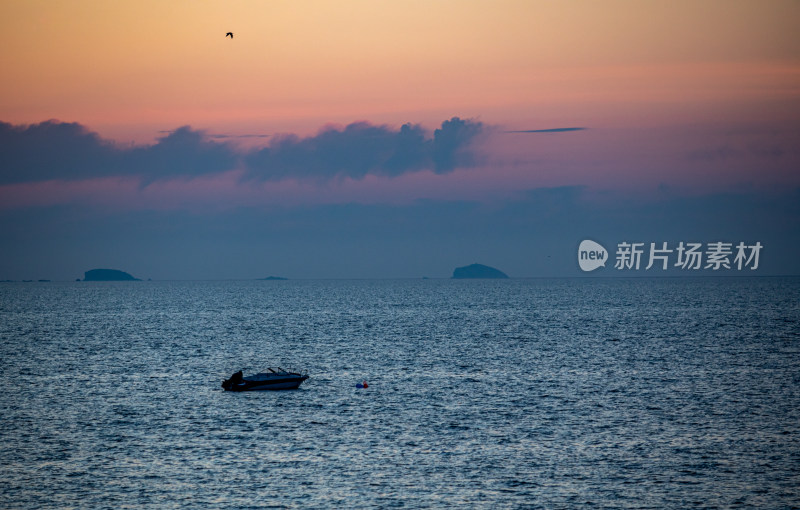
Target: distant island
(273,278)
(108,275)
(477,271)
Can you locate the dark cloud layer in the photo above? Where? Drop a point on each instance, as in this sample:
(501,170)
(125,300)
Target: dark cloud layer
(182,153)
(52,150)
(535,235)
(55,150)
(362,148)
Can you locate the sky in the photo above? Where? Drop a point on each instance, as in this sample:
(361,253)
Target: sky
(378,139)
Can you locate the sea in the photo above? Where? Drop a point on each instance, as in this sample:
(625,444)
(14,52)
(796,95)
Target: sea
(519,393)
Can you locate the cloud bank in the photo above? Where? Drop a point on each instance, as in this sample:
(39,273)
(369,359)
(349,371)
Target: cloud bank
(360,149)
(54,150)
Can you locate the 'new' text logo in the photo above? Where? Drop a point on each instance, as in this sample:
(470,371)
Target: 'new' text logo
(591,255)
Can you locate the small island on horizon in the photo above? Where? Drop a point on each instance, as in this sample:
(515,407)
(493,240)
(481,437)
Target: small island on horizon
(271,278)
(108,275)
(477,271)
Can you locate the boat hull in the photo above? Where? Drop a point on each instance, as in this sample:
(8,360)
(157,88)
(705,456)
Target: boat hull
(274,379)
(290,383)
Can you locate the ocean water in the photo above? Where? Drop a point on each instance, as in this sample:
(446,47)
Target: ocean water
(562,393)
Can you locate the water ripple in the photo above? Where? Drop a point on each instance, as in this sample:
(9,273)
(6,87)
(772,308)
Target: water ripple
(521,393)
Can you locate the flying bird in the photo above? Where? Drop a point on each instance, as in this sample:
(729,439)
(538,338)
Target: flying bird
(229,34)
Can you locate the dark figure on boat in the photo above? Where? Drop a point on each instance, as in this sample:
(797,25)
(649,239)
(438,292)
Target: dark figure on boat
(235,379)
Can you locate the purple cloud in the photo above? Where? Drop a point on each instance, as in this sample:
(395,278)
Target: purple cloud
(362,148)
(55,150)
(52,150)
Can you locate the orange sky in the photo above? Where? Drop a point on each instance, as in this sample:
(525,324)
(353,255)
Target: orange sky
(130,69)
(691,110)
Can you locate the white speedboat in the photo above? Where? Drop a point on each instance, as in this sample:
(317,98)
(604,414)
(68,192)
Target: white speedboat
(274,378)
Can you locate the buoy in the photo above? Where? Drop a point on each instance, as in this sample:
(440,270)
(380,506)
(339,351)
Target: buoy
(362,385)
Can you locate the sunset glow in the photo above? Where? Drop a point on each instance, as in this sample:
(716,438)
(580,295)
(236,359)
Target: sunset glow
(124,68)
(674,100)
